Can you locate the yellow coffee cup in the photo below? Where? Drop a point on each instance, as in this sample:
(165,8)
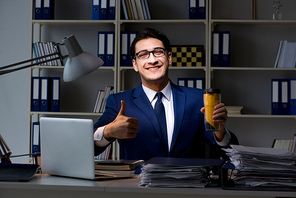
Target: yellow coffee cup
(212,97)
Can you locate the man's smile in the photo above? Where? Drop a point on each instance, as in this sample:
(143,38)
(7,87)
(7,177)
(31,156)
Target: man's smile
(154,68)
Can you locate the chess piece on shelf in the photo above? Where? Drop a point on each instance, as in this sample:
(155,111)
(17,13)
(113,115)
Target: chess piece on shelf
(277,15)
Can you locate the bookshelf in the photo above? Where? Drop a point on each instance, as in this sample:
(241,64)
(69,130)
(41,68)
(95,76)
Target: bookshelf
(259,55)
(247,82)
(254,42)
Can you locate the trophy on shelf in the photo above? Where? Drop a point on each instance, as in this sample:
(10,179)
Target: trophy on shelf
(277,15)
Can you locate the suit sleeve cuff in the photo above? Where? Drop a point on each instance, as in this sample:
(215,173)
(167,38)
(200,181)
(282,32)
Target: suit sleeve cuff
(99,138)
(226,139)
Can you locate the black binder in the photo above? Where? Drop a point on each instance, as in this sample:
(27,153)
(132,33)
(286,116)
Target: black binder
(17,172)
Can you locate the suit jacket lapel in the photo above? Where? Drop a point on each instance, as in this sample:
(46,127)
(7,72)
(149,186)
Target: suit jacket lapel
(179,107)
(142,102)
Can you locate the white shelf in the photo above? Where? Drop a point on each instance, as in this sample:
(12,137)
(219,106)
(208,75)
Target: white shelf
(262,116)
(66,113)
(74,22)
(259,22)
(108,22)
(63,67)
(166,21)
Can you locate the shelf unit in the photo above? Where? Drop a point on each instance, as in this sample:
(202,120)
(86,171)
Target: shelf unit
(254,24)
(39,29)
(174,22)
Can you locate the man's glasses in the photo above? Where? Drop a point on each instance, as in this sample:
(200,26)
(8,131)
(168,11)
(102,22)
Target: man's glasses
(157,52)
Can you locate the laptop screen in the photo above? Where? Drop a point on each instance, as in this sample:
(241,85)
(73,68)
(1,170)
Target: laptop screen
(67,147)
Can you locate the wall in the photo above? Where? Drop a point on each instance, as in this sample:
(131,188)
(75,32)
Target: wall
(14,87)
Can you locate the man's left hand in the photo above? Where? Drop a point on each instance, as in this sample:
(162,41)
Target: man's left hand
(219,116)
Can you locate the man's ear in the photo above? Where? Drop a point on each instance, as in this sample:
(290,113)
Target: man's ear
(135,65)
(170,58)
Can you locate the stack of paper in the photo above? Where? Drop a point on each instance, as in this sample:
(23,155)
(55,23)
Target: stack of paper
(178,172)
(265,167)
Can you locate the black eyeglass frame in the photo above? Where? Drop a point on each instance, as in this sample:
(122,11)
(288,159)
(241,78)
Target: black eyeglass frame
(136,55)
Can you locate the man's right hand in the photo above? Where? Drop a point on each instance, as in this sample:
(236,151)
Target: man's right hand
(122,127)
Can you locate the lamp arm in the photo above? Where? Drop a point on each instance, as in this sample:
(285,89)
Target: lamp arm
(29,60)
(32,64)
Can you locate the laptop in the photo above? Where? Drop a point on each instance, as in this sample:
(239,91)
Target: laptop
(67,149)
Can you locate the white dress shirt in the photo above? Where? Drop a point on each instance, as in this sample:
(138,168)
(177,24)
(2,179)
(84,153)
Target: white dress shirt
(168,104)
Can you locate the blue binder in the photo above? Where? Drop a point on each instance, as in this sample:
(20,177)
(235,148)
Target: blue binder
(182,82)
(35,97)
(225,44)
(275,96)
(124,59)
(292,96)
(103,10)
(35,137)
(55,94)
(191,82)
(201,11)
(200,83)
(192,9)
(216,48)
(132,35)
(109,49)
(284,97)
(111,9)
(38,9)
(102,46)
(45,91)
(48,9)
(95,9)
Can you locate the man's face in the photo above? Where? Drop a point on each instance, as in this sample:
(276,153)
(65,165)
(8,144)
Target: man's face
(153,70)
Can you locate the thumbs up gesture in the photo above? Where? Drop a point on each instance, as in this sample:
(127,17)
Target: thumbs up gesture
(122,127)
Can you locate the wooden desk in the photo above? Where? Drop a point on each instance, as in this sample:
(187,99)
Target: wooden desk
(46,186)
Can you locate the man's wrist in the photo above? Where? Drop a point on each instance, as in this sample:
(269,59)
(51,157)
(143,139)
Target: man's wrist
(99,138)
(105,134)
(226,139)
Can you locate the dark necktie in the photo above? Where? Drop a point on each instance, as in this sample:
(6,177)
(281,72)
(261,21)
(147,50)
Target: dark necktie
(160,113)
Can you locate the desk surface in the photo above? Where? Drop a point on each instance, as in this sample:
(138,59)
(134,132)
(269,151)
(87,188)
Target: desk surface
(52,186)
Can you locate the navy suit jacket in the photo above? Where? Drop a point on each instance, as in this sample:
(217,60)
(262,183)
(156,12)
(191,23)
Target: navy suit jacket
(189,136)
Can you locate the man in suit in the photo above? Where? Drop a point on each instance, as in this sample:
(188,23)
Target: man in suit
(130,115)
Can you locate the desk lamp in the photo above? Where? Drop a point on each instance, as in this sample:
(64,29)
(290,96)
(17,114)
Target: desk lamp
(5,153)
(79,63)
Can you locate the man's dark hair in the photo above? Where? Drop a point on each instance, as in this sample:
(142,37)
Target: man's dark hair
(150,33)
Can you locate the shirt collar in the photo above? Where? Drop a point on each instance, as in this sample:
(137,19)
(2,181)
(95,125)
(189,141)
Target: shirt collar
(151,93)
